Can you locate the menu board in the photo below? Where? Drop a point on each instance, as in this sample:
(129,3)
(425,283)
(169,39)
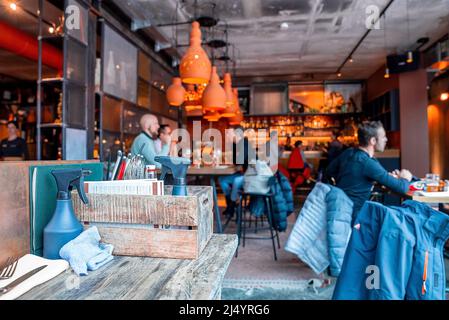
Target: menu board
(119,66)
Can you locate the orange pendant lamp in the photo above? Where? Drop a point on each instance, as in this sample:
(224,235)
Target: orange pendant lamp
(214,97)
(195,66)
(176,93)
(238,118)
(229,112)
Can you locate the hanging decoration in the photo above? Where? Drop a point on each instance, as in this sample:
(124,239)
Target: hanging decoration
(214,97)
(195,67)
(176,93)
(230,110)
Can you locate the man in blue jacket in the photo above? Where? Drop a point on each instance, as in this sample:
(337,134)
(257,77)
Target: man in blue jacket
(356,170)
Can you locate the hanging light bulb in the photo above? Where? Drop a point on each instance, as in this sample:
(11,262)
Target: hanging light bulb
(195,67)
(229,112)
(444,96)
(176,93)
(387,73)
(214,97)
(410,57)
(339,74)
(13,6)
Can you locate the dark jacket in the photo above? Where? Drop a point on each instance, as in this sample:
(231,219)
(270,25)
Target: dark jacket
(355,173)
(14,148)
(395,253)
(282,202)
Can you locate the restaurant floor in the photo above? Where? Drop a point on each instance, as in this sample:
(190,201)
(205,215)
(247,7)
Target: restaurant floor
(254,274)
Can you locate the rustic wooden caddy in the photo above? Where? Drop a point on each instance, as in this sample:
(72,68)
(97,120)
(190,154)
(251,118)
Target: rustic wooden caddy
(127,222)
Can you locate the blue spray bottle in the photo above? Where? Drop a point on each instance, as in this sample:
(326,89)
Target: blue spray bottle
(178,168)
(64,226)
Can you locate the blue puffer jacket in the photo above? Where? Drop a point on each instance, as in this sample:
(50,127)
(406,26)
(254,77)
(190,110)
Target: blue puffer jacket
(395,253)
(321,232)
(282,203)
(339,221)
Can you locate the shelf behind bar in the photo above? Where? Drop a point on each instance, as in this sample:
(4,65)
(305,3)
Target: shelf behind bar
(303,114)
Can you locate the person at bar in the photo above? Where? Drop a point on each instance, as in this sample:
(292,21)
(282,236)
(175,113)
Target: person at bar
(13,147)
(163,131)
(334,148)
(356,170)
(288,144)
(145,141)
(242,154)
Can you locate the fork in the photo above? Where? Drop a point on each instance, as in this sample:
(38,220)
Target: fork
(10,268)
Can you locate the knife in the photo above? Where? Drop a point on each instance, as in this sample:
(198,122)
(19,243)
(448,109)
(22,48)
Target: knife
(19,280)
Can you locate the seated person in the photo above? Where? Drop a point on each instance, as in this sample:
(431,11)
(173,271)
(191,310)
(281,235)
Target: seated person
(145,141)
(298,168)
(163,131)
(243,153)
(356,170)
(13,146)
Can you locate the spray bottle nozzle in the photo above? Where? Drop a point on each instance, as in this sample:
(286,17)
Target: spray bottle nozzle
(66,179)
(178,167)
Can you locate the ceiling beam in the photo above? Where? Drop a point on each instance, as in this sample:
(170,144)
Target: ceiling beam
(316,10)
(382,13)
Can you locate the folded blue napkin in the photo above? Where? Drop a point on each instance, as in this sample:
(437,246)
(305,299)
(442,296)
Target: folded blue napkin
(85,252)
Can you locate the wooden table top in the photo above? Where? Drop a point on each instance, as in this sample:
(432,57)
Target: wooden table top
(137,278)
(213,171)
(425,199)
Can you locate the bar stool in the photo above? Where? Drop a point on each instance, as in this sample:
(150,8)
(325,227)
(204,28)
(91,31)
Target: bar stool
(243,209)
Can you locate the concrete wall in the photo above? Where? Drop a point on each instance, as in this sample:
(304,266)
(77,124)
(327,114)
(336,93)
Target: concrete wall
(414,134)
(414,124)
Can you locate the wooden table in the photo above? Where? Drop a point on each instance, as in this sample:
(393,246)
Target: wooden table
(136,278)
(212,173)
(425,199)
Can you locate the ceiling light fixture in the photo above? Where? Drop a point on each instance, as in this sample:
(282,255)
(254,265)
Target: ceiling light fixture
(214,96)
(409,57)
(284,26)
(339,74)
(229,112)
(176,93)
(351,60)
(13,6)
(387,73)
(51,30)
(444,96)
(195,65)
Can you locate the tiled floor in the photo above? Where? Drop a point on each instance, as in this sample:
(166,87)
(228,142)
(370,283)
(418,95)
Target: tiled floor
(255,273)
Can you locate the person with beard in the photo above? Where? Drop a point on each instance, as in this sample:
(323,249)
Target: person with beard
(356,169)
(145,141)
